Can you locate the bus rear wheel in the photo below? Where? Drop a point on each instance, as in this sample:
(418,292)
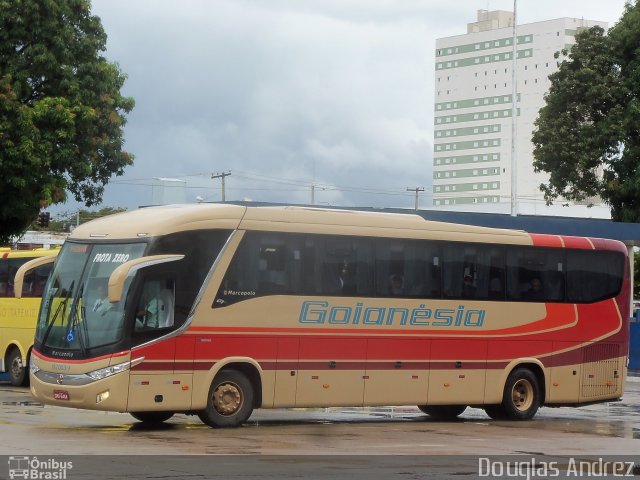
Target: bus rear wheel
(151,417)
(521,398)
(17,370)
(443,412)
(230,400)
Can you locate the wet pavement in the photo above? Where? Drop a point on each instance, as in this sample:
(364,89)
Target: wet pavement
(29,428)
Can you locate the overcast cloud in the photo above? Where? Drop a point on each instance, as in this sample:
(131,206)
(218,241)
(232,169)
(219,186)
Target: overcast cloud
(286,92)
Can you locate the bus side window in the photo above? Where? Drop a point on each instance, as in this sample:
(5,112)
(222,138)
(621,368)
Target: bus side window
(346,266)
(35,281)
(535,274)
(156,306)
(264,264)
(473,271)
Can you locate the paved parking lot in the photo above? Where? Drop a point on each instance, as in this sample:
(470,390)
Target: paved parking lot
(312,438)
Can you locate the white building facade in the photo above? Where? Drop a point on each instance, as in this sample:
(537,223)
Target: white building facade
(473,108)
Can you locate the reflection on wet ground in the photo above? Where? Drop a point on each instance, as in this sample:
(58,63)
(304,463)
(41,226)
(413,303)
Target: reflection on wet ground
(28,426)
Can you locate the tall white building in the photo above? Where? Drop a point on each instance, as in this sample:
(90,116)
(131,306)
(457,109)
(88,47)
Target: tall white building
(473,106)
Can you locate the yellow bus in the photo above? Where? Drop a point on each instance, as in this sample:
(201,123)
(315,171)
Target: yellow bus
(18,316)
(216,310)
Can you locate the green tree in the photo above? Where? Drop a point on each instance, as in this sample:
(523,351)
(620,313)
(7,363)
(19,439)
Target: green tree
(587,134)
(61,111)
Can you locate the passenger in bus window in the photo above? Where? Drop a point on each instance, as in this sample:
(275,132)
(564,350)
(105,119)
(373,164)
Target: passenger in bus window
(535,292)
(468,289)
(347,279)
(396,285)
(496,289)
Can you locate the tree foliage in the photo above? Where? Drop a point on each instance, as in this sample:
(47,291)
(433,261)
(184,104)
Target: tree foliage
(61,110)
(586,135)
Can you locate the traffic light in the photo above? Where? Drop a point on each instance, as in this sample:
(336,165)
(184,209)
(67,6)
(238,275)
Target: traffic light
(43,219)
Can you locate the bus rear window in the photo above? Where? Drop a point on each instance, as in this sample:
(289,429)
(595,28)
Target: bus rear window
(593,276)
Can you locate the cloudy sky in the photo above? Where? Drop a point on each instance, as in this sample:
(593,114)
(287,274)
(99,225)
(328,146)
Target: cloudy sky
(284,93)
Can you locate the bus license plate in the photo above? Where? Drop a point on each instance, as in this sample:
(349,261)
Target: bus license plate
(60,395)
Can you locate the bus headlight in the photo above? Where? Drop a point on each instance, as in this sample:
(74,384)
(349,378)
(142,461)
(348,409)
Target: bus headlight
(108,371)
(34,368)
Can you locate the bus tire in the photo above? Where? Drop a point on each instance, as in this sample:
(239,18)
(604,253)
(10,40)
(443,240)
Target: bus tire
(443,412)
(17,370)
(230,400)
(521,398)
(151,417)
(496,412)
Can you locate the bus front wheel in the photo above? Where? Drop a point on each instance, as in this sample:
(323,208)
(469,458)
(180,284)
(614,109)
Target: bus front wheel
(443,412)
(230,400)
(521,398)
(151,417)
(17,370)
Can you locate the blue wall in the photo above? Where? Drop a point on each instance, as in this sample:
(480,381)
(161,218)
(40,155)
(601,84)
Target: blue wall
(634,343)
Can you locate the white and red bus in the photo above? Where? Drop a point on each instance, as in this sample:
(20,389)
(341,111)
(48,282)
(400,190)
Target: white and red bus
(217,310)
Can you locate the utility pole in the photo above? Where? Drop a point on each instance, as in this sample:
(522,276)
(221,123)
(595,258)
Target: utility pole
(313,194)
(417,190)
(221,176)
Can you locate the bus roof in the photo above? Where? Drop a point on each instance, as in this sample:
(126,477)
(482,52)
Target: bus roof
(162,220)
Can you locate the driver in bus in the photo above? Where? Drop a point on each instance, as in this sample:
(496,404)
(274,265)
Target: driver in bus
(101,305)
(151,307)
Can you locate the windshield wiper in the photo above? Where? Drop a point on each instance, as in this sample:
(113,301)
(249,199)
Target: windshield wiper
(62,306)
(78,319)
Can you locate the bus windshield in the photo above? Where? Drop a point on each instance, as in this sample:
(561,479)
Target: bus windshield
(75,312)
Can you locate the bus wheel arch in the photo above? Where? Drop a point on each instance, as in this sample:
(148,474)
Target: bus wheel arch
(230,400)
(535,366)
(249,367)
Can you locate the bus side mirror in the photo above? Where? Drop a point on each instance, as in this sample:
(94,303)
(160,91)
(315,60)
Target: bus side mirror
(119,276)
(27,267)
